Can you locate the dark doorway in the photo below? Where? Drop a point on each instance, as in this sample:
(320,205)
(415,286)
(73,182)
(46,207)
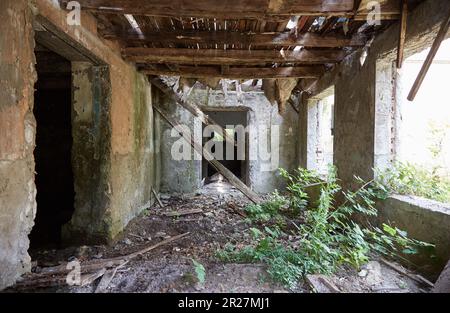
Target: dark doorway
(54,177)
(226,118)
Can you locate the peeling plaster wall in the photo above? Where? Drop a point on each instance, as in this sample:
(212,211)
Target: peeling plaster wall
(133,174)
(17,137)
(113,156)
(185,176)
(91,154)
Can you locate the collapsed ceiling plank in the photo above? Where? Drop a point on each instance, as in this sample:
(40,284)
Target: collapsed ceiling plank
(231,57)
(356,6)
(227,9)
(238,72)
(226,37)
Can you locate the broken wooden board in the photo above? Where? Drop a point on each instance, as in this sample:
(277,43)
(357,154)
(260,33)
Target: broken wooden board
(56,276)
(321,284)
(183,212)
(90,278)
(107,278)
(430,57)
(157,198)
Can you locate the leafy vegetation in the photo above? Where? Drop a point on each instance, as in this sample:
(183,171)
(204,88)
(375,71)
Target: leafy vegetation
(409,179)
(200,271)
(295,237)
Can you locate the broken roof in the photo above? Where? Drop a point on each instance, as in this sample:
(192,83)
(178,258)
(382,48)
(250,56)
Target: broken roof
(239,39)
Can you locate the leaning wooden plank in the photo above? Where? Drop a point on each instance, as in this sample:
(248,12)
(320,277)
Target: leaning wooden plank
(236,182)
(430,57)
(157,198)
(231,57)
(193,108)
(402,35)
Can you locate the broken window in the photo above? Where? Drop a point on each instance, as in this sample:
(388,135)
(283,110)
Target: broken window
(320,131)
(423,126)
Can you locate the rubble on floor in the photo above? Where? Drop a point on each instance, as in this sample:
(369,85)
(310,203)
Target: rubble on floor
(208,220)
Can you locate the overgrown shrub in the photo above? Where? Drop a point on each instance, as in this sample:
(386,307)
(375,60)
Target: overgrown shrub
(320,238)
(409,179)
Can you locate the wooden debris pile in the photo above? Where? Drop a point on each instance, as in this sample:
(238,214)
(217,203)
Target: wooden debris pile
(89,271)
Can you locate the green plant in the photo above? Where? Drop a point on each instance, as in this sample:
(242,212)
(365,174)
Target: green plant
(200,271)
(297,184)
(410,179)
(266,211)
(321,238)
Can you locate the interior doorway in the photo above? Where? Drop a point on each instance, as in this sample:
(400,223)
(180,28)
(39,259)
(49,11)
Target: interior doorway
(228,120)
(54,177)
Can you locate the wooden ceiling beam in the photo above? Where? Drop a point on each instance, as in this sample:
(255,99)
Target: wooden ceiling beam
(231,57)
(254,39)
(237,72)
(225,9)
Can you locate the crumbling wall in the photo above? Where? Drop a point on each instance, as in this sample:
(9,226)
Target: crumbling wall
(17,137)
(113,156)
(185,176)
(178,176)
(126,168)
(91,153)
(133,175)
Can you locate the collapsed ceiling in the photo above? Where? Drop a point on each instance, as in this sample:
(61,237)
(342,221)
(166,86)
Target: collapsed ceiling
(287,43)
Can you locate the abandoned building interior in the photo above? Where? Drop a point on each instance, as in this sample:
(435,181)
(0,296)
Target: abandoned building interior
(113,114)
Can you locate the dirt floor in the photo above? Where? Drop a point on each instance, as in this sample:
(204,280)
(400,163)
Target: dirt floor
(169,268)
